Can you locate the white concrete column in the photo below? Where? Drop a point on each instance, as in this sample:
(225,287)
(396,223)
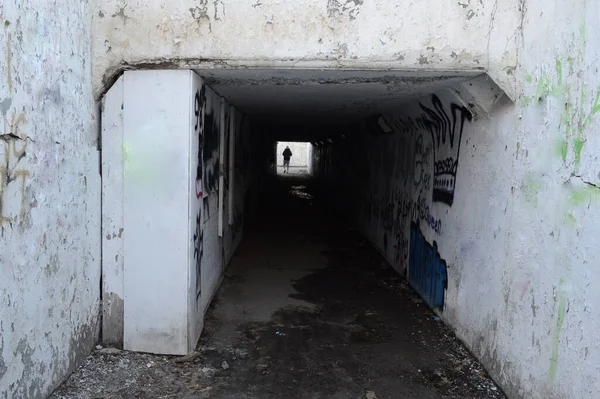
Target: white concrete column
(148,233)
(156,139)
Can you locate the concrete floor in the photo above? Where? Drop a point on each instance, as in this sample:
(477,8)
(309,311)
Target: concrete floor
(294,170)
(307,310)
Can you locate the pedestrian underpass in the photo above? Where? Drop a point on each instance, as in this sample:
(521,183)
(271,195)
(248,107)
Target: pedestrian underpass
(383,150)
(211,137)
(136,144)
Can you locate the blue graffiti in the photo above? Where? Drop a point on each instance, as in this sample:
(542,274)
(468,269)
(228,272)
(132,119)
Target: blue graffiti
(427,271)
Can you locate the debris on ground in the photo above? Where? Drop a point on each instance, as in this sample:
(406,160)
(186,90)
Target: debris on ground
(187,358)
(109,351)
(358,331)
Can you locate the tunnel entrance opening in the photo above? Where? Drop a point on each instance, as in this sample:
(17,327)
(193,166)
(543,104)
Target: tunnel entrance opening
(293,158)
(381,156)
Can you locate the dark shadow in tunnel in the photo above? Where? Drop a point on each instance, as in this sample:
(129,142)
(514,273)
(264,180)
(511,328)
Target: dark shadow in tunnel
(317,312)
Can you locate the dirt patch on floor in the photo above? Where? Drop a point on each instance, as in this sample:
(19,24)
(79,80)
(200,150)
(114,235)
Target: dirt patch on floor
(368,334)
(362,334)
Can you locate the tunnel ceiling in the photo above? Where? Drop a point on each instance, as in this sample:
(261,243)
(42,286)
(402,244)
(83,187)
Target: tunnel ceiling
(323,97)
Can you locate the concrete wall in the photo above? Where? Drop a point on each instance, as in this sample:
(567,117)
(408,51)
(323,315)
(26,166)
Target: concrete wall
(496,227)
(221,176)
(156,135)
(49,195)
(327,34)
(168,140)
(524,268)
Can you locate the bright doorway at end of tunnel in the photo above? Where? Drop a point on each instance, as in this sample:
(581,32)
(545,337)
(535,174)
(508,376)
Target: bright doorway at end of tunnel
(293,158)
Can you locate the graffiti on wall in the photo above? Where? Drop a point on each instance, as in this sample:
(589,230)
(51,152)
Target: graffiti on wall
(446,129)
(428,273)
(422,170)
(400,250)
(198,252)
(210,147)
(13,173)
(395,213)
(206,127)
(446,126)
(404,156)
(199,109)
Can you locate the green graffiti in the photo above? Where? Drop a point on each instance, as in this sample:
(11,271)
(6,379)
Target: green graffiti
(596,106)
(578,147)
(595,109)
(571,62)
(139,163)
(562,306)
(531,187)
(583,34)
(544,88)
(125,152)
(570,219)
(584,195)
(563,148)
(574,116)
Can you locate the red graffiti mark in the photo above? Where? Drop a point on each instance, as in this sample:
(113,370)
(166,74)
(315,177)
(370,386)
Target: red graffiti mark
(198,189)
(524,289)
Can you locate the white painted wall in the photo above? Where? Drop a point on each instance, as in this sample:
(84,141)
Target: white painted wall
(162,211)
(520,237)
(49,195)
(156,123)
(290,34)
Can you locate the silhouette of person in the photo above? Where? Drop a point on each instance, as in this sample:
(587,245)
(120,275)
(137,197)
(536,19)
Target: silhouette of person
(287,154)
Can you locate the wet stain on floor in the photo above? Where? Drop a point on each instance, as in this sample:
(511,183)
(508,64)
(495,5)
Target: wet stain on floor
(309,312)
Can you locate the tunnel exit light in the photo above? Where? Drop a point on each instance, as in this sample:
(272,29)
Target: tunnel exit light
(293,158)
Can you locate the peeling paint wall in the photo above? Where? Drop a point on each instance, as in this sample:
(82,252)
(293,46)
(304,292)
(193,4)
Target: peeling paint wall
(49,195)
(506,250)
(326,34)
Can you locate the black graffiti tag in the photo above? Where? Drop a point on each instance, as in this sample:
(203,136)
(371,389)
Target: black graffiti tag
(446,133)
(199,108)
(198,252)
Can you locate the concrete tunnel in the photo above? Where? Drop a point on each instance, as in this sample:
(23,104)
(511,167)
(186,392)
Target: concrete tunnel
(397,154)
(138,208)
